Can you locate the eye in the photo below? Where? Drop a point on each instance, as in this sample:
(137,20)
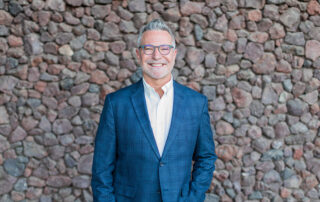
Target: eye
(165,48)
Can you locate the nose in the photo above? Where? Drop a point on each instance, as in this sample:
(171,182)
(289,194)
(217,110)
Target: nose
(156,54)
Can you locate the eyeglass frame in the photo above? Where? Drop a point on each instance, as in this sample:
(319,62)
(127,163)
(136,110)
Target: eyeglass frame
(154,48)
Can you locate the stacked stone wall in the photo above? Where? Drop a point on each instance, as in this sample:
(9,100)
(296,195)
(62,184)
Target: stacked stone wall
(257,61)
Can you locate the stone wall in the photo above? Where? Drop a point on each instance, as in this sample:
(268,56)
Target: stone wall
(256,60)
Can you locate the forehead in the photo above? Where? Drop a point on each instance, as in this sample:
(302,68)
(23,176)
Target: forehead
(156,37)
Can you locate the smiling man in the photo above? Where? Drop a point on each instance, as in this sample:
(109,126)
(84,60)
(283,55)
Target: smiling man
(150,132)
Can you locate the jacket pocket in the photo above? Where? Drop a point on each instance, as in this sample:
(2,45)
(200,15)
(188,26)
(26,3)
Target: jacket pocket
(125,190)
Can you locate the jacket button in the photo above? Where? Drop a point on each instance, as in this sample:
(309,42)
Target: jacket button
(161,164)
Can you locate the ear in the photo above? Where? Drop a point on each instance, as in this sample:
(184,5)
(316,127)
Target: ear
(138,53)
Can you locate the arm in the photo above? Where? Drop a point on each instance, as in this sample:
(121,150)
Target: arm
(104,156)
(204,157)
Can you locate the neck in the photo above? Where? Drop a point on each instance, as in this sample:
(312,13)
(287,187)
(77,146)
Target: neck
(157,83)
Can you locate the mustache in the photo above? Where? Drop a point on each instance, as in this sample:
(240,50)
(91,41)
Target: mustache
(157,61)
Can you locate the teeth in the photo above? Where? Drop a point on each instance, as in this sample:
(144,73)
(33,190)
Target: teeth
(156,65)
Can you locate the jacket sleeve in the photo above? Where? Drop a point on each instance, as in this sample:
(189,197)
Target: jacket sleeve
(204,157)
(104,156)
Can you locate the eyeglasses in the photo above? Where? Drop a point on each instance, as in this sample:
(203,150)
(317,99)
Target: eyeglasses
(163,49)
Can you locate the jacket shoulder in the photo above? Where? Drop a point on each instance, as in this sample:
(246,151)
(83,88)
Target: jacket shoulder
(190,92)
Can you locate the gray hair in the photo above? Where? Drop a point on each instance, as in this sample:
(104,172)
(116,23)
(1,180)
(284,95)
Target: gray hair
(156,24)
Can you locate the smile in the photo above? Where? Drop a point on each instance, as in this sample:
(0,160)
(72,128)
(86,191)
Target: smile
(156,64)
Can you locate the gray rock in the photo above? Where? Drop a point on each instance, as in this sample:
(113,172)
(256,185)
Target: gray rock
(287,84)
(256,195)
(85,164)
(269,96)
(295,38)
(32,44)
(291,18)
(80,55)
(258,4)
(275,1)
(32,149)
(4,31)
(211,198)
(298,128)
(272,177)
(296,107)
(137,6)
(61,126)
(198,32)
(21,185)
(273,154)
(78,43)
(110,32)
(293,182)
(210,92)
(102,1)
(70,162)
(14,167)
(81,181)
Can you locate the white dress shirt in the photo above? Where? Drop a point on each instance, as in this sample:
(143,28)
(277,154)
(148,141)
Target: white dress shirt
(160,111)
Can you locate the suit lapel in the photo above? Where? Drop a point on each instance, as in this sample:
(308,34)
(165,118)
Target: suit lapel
(140,107)
(176,112)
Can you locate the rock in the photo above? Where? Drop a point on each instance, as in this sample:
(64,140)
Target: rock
(137,6)
(253,51)
(209,92)
(281,130)
(210,61)
(256,195)
(99,77)
(224,128)
(198,32)
(14,167)
(241,98)
(269,96)
(36,182)
(59,181)
(258,4)
(293,182)
(90,99)
(311,98)
(4,31)
(313,7)
(5,18)
(272,177)
(117,47)
(110,32)
(237,22)
(18,134)
(32,149)
(283,66)
(261,145)
(62,126)
(81,181)
(4,144)
(80,89)
(226,152)
(5,187)
(313,49)
(85,164)
(32,44)
(298,128)
(172,14)
(65,50)
(189,8)
(266,64)
(273,154)
(291,18)
(194,56)
(221,24)
(64,38)
(277,31)
(74,3)
(68,112)
(127,26)
(21,185)
(56,152)
(271,11)
(296,107)
(295,38)
(56,5)
(4,118)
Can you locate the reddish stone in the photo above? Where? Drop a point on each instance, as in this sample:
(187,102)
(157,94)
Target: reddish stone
(44,17)
(117,47)
(17,196)
(36,182)
(29,123)
(5,18)
(15,41)
(40,86)
(259,37)
(105,90)
(310,182)
(59,181)
(313,49)
(313,7)
(232,35)
(284,192)
(55,69)
(283,66)
(189,8)
(266,64)
(254,15)
(224,128)
(88,66)
(277,31)
(99,77)
(298,153)
(80,89)
(101,46)
(241,97)
(226,152)
(17,135)
(123,74)
(113,17)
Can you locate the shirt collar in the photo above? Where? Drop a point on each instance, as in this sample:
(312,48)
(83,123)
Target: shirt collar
(149,89)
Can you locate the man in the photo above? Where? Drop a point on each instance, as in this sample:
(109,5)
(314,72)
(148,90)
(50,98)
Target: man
(150,132)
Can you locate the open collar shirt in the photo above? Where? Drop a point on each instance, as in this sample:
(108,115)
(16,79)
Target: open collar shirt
(159,111)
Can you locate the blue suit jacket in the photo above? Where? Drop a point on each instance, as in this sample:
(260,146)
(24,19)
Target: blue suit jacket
(127,165)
